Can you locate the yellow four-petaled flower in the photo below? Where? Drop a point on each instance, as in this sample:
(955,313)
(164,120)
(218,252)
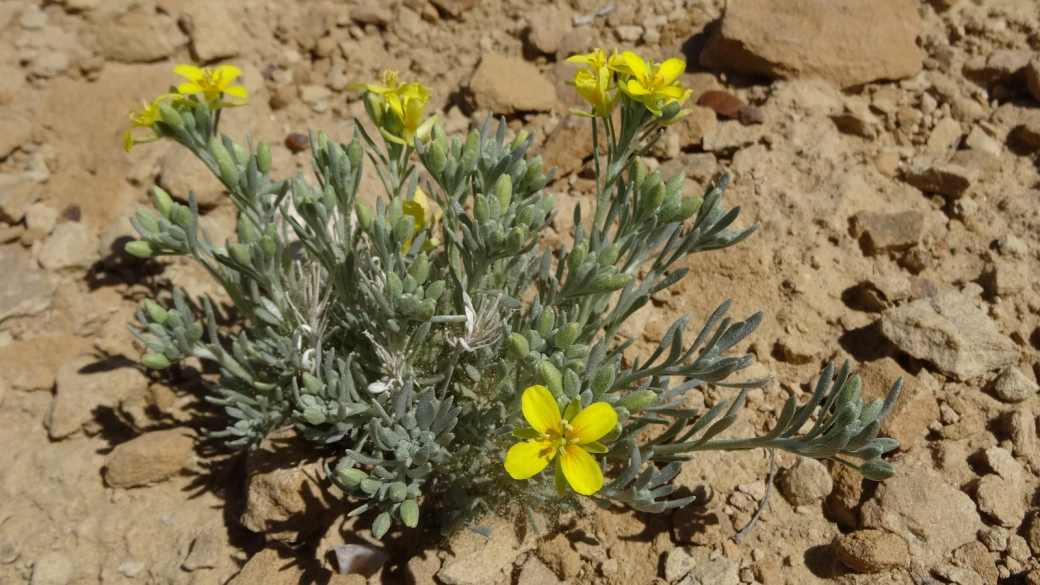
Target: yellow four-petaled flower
(653,84)
(419,209)
(571,436)
(407,105)
(211,83)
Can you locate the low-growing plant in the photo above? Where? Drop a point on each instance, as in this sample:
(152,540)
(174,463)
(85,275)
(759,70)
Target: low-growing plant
(447,353)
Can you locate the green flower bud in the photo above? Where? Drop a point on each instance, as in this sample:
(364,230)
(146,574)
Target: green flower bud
(521,136)
(669,211)
(689,207)
(426,310)
(518,346)
(515,240)
(241,254)
(469,151)
(654,197)
(547,203)
(670,111)
(577,255)
(619,281)
(603,380)
(525,216)
(381,525)
(637,173)
(323,141)
(566,335)
(408,303)
(404,228)
(546,321)
(571,384)
(480,208)
(175,319)
(181,216)
(155,312)
(533,339)
(849,393)
(533,173)
(409,513)
(241,156)
(171,116)
(395,284)
(163,201)
(498,237)
(437,158)
(268,246)
(398,491)
(228,169)
(263,157)
(148,222)
(355,152)
(374,108)
(364,215)
(609,256)
(433,292)
(551,377)
(504,191)
(675,184)
(369,485)
(155,361)
(246,230)
(637,401)
(311,384)
(314,416)
(877,470)
(142,249)
(622,413)
(420,268)
(576,351)
(349,476)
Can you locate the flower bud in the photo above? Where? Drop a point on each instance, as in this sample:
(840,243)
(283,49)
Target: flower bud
(155,312)
(181,216)
(577,255)
(546,321)
(566,335)
(420,268)
(609,256)
(149,223)
(637,401)
(689,207)
(374,108)
(163,201)
(654,197)
(622,413)
(404,228)
(171,116)
(228,170)
(409,513)
(142,249)
(603,380)
(395,284)
(637,172)
(551,377)
(263,157)
(398,491)
(504,191)
(350,476)
(515,240)
(675,184)
(369,485)
(241,156)
(382,522)
(155,361)
(436,159)
(426,310)
(498,237)
(571,384)
(434,291)
(364,215)
(533,173)
(877,470)
(480,209)
(175,319)
(311,384)
(314,416)
(469,151)
(241,254)
(323,141)
(525,216)
(670,111)
(521,136)
(518,346)
(355,152)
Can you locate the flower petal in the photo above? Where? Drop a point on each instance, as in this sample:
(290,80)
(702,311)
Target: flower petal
(636,88)
(237,91)
(671,69)
(592,423)
(635,64)
(540,409)
(581,470)
(227,73)
(189,72)
(525,460)
(189,87)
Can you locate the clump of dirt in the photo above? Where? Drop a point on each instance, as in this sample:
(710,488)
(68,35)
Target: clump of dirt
(888,148)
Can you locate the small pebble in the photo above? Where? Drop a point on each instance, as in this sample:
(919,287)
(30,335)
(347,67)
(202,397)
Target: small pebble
(297,142)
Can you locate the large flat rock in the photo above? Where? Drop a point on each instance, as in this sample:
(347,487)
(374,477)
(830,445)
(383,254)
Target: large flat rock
(848,42)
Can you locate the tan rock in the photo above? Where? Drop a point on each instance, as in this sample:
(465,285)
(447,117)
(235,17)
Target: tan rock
(476,560)
(889,232)
(560,557)
(952,333)
(534,572)
(72,246)
(17,195)
(916,408)
(32,365)
(806,481)
(976,557)
(1014,386)
(84,384)
(25,290)
(284,500)
(849,42)
(872,551)
(932,517)
(1033,77)
(934,176)
(504,86)
(1000,500)
(150,458)
(137,38)
(182,172)
(213,30)
(692,129)
(279,565)
(568,146)
(15,129)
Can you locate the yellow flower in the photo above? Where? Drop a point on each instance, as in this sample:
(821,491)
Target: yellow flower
(389,84)
(419,209)
(652,84)
(211,83)
(145,117)
(572,436)
(408,104)
(594,84)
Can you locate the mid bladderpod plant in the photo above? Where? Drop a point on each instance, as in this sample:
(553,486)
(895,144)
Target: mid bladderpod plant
(429,336)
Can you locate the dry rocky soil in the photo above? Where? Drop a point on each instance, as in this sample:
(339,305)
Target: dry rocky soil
(888,147)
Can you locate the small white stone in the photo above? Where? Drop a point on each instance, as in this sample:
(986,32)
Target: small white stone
(131,570)
(629,33)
